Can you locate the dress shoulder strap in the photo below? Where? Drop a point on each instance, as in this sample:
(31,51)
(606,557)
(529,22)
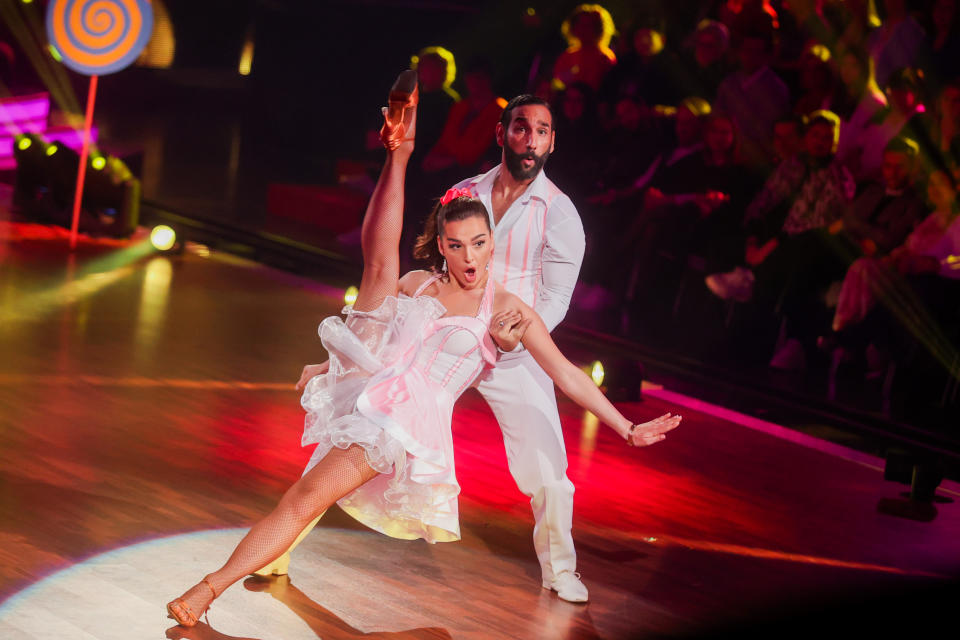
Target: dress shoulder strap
(426,283)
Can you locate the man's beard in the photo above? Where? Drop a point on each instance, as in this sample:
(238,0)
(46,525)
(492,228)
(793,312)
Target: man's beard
(514,162)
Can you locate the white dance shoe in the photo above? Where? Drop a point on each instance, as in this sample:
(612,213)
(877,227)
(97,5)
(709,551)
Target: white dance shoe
(568,587)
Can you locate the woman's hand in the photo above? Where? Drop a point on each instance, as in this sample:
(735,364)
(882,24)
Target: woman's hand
(311,371)
(507,328)
(647,433)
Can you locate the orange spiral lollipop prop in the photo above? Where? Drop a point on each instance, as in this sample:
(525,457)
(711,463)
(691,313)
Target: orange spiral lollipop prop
(97,37)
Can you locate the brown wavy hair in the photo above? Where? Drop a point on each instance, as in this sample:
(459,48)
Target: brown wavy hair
(426,249)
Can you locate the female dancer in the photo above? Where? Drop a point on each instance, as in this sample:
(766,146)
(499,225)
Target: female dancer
(381,414)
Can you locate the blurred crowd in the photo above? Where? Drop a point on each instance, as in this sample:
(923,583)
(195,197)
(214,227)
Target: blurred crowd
(791,162)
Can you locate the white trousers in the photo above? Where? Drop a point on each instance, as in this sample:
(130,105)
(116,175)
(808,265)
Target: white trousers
(522,398)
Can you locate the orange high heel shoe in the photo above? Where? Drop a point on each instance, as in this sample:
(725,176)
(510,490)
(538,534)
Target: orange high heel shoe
(399,117)
(179,611)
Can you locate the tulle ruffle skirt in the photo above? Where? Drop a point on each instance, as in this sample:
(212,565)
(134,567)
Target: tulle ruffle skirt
(374,397)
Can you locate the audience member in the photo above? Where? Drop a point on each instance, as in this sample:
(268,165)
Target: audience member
(897,43)
(804,194)
(468,132)
(436,70)
(817,81)
(703,64)
(863,154)
(743,17)
(943,42)
(588,57)
(576,167)
(883,213)
(660,172)
(860,101)
(917,287)
(695,207)
(924,250)
(787,137)
(945,128)
(646,64)
(755,96)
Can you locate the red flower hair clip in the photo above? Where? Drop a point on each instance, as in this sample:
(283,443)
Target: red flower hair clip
(453,194)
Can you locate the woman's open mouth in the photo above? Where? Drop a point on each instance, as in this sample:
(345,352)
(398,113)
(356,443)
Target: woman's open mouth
(470,274)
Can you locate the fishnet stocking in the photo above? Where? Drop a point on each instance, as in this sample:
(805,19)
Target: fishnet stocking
(339,473)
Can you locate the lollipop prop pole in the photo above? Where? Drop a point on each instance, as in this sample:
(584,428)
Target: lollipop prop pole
(84,151)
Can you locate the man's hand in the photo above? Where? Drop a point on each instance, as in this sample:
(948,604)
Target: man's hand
(507,328)
(311,371)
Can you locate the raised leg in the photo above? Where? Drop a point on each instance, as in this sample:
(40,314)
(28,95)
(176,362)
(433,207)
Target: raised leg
(383,221)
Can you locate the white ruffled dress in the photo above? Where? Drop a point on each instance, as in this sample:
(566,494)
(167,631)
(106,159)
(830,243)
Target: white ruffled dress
(395,373)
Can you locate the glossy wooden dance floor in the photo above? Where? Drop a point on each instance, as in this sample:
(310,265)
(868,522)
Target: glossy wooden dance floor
(147,416)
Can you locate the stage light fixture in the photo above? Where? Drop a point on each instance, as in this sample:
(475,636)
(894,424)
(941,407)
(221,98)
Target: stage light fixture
(922,472)
(98,163)
(597,372)
(52,149)
(620,378)
(23,143)
(350,295)
(163,238)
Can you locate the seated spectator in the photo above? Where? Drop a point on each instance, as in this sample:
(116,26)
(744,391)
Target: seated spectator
(436,70)
(696,207)
(924,250)
(897,43)
(943,42)
(703,64)
(644,63)
(755,96)
(817,81)
(804,194)
(576,166)
(588,57)
(659,169)
(863,155)
(748,16)
(468,132)
(883,213)
(945,128)
(787,138)
(859,102)
(917,286)
(849,22)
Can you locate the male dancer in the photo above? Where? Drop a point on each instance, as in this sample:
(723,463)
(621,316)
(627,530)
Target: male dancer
(538,249)
(539,245)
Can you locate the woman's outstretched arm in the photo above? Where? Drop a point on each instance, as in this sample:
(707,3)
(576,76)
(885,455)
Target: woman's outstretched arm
(383,221)
(522,322)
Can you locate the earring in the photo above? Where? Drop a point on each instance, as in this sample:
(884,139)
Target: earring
(444,268)
(487,267)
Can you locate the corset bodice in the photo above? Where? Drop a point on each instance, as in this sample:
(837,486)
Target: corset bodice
(455,349)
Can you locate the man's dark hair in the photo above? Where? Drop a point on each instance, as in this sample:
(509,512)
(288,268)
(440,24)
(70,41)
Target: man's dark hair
(793,119)
(521,101)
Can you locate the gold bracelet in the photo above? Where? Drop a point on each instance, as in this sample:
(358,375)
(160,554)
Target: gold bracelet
(630,433)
